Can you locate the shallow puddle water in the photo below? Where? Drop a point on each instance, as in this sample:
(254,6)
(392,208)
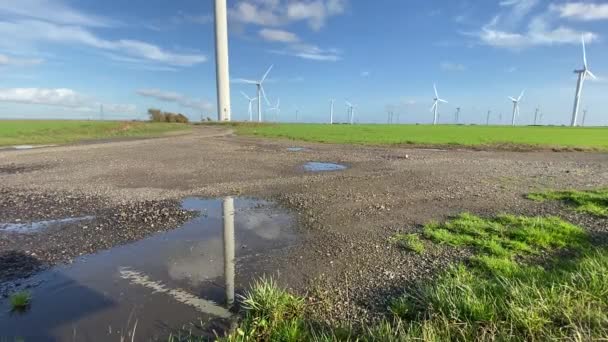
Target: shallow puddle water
(156,285)
(34,227)
(320,167)
(295,149)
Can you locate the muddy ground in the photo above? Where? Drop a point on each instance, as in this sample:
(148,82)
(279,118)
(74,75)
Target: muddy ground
(344,262)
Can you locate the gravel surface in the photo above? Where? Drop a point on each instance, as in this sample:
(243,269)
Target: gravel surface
(344,264)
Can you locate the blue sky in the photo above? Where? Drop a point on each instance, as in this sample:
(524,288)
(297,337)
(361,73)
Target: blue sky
(64,59)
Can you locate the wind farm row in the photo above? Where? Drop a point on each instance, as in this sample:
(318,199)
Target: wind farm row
(582,75)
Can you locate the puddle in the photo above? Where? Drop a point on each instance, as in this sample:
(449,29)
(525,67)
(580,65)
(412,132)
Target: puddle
(35,227)
(159,284)
(295,149)
(23,147)
(321,167)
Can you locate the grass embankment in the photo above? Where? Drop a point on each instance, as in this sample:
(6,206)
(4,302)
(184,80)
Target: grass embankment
(503,137)
(35,132)
(515,288)
(594,202)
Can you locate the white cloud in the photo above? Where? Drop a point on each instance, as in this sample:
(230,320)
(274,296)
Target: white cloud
(586,11)
(278,36)
(310,52)
(178,98)
(19,61)
(33,31)
(61,97)
(365,73)
(505,30)
(199,19)
(283,12)
(450,66)
(56,11)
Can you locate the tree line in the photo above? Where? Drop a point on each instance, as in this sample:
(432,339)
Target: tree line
(157,115)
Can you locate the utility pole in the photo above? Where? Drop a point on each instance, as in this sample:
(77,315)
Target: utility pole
(221,61)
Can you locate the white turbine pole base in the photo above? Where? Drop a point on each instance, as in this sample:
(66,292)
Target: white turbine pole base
(577,98)
(222,62)
(259,103)
(331,113)
(435,114)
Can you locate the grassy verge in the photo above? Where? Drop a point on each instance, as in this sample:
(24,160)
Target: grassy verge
(502,294)
(410,242)
(444,135)
(594,202)
(20,132)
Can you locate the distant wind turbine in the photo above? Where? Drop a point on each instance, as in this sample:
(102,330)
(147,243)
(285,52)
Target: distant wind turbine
(582,75)
(457,115)
(351,112)
(488,118)
(536,116)
(584,117)
(260,88)
(516,106)
(435,108)
(251,101)
(276,109)
(331,111)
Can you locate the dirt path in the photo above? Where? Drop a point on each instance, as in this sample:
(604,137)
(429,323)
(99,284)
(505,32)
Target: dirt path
(345,217)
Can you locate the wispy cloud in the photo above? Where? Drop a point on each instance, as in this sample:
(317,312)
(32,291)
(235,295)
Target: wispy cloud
(199,19)
(365,73)
(56,11)
(586,11)
(508,29)
(182,100)
(450,66)
(60,97)
(19,61)
(310,52)
(34,31)
(273,35)
(282,12)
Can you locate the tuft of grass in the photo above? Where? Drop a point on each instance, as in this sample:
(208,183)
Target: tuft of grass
(409,242)
(507,236)
(594,202)
(20,301)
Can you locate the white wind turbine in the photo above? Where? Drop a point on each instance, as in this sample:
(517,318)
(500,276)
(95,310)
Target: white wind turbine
(435,108)
(276,109)
(351,111)
(260,88)
(331,111)
(251,100)
(582,75)
(516,106)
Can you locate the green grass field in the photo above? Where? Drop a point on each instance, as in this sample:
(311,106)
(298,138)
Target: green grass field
(444,135)
(35,132)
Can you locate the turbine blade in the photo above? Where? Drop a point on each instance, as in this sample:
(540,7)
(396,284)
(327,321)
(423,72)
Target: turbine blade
(243,80)
(348,104)
(512,99)
(434,105)
(247,97)
(591,74)
(264,95)
(266,74)
(442,100)
(435,88)
(584,52)
(521,95)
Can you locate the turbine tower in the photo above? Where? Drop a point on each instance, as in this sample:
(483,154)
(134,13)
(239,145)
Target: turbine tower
(457,115)
(536,116)
(435,108)
(251,101)
(331,111)
(488,118)
(582,75)
(584,117)
(516,106)
(351,112)
(221,61)
(260,89)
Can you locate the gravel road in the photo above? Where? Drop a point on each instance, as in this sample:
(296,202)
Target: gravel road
(344,263)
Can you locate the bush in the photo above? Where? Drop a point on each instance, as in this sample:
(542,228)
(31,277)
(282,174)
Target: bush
(156,115)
